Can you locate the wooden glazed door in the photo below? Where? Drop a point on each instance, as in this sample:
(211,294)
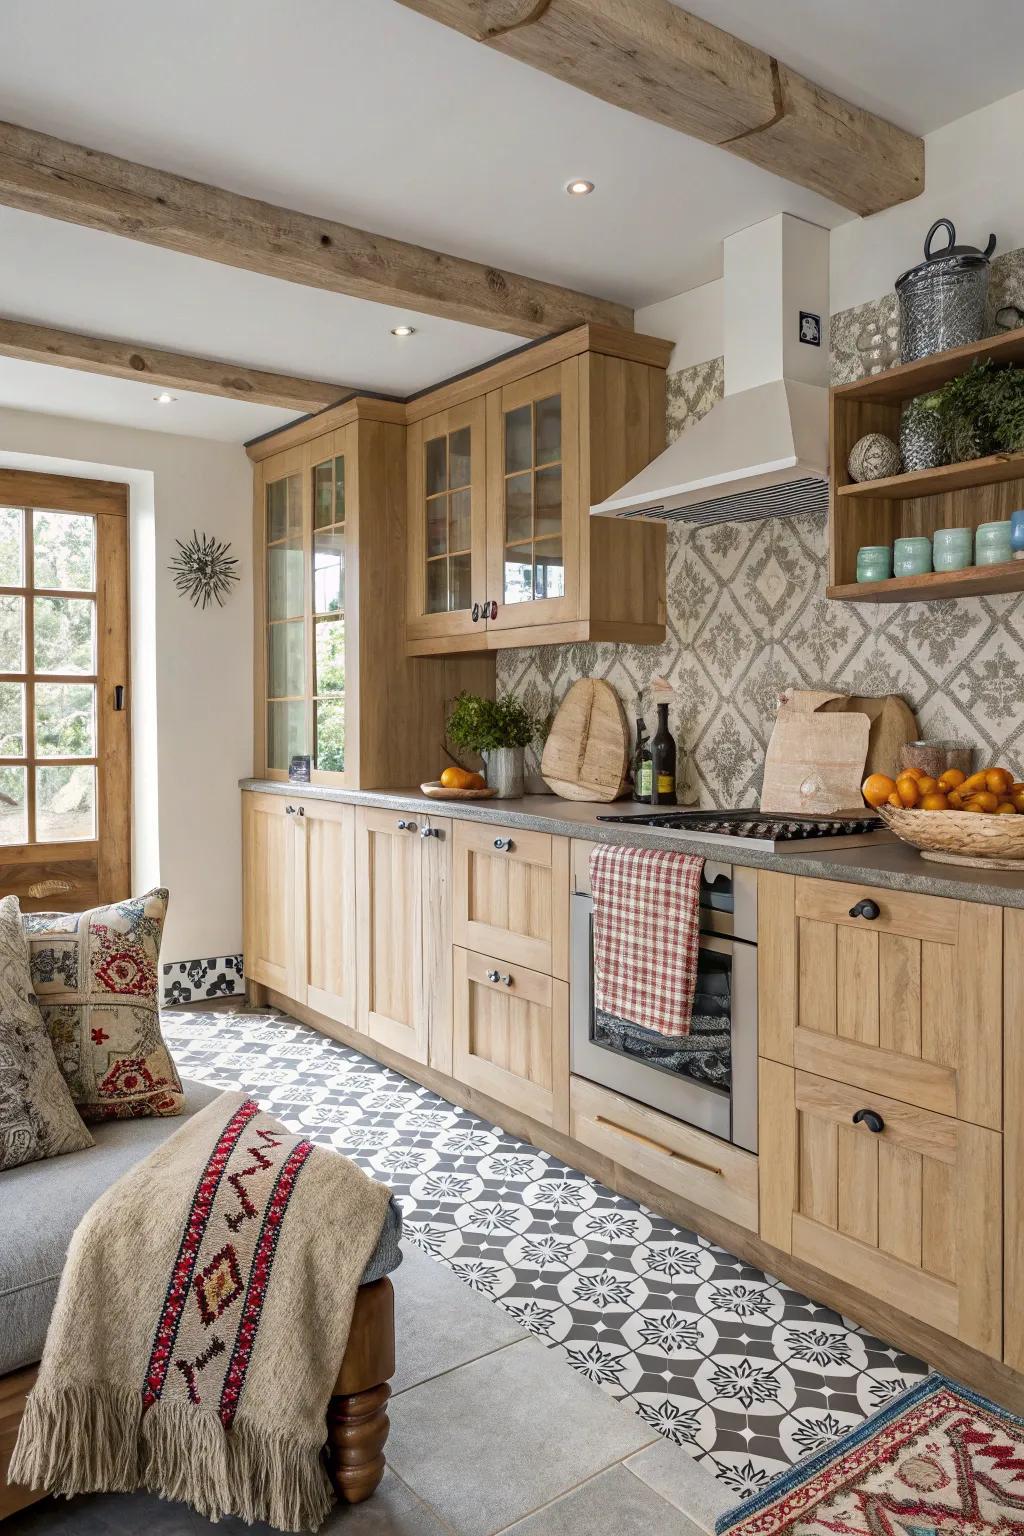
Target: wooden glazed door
(269,918)
(389,932)
(447,524)
(903,1203)
(512,1036)
(533,499)
(511,895)
(325,873)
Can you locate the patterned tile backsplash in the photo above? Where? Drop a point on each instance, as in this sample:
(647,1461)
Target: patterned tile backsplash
(748,617)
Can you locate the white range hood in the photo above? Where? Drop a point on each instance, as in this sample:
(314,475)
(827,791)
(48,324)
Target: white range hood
(762,450)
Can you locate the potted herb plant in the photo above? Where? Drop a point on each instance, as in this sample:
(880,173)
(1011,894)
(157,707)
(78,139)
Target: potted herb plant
(500,730)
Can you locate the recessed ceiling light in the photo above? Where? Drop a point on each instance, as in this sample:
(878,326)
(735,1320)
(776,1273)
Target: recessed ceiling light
(164,398)
(579,188)
(403,330)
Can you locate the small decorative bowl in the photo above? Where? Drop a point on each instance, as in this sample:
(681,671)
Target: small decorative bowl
(874,562)
(960,837)
(912,557)
(992,544)
(952,549)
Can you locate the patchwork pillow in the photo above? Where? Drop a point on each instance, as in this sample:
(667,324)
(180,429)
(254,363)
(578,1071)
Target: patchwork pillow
(96,976)
(37,1116)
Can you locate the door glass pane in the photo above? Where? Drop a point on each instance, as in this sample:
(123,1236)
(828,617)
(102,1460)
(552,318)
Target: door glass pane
(460,534)
(284,580)
(518,508)
(12,528)
(65,804)
(459,458)
(549,569)
(330,735)
(549,430)
(64,551)
(549,501)
(437,465)
(65,719)
(339,490)
(12,720)
(329,572)
(330,656)
(65,639)
(277,510)
(323,495)
(437,526)
(518,582)
(12,634)
(286,733)
(460,581)
(518,439)
(437,586)
(13,805)
(287,660)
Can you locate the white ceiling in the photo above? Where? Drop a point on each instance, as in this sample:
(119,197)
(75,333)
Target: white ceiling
(371,114)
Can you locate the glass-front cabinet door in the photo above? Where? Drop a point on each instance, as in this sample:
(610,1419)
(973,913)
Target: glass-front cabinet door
(533,499)
(447,524)
(304,529)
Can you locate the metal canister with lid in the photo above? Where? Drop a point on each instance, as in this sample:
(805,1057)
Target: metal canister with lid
(942,299)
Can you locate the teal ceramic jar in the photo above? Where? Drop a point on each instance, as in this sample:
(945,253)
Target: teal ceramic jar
(874,562)
(952,549)
(912,557)
(992,544)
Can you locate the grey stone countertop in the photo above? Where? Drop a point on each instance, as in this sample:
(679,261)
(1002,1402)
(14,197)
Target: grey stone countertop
(882,862)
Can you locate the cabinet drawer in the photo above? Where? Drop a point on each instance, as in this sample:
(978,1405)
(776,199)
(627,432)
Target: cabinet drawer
(512,1035)
(511,895)
(933,918)
(698,1167)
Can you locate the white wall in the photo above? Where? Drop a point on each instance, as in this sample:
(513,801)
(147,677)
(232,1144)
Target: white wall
(192,714)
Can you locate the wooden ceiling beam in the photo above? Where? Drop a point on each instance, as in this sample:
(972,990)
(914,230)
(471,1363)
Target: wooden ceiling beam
(170,370)
(46,175)
(654,59)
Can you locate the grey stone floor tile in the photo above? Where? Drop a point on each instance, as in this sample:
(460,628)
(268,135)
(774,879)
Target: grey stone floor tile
(494,1440)
(614,1502)
(440,1323)
(684,1482)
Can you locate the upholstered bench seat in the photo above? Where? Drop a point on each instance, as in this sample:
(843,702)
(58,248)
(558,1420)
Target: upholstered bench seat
(42,1203)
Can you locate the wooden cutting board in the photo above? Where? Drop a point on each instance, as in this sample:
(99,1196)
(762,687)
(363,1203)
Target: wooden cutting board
(587,750)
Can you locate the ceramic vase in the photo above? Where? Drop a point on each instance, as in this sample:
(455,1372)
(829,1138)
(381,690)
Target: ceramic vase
(504,769)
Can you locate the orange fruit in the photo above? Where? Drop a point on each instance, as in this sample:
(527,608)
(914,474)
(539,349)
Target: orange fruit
(998,780)
(955,802)
(951,779)
(915,773)
(1017,796)
(908,789)
(895,801)
(936,801)
(1006,808)
(877,788)
(1016,787)
(985,801)
(972,805)
(927,785)
(976,781)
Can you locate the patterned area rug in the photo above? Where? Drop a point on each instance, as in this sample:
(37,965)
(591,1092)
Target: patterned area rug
(938,1461)
(745,1373)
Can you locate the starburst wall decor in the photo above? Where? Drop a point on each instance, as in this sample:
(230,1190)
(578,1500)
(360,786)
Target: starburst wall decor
(203,569)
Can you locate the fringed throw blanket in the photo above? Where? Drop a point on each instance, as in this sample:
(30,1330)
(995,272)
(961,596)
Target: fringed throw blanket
(201,1321)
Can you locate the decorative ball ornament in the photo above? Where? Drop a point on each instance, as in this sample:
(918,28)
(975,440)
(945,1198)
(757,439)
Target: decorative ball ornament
(204,570)
(874,457)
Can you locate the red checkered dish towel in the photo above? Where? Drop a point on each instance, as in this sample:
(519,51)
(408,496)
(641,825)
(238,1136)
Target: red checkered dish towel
(646,905)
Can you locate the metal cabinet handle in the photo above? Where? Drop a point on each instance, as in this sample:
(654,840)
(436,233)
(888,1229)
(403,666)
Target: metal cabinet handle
(493,976)
(289,810)
(496,976)
(302,810)
(491,611)
(406,826)
(430,831)
(503,844)
(476,612)
(871,1119)
(867,909)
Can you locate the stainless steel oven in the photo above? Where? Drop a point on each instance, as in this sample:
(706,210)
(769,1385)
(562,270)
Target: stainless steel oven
(707,1078)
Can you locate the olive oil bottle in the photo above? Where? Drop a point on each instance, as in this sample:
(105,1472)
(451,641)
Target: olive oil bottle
(642,763)
(663,762)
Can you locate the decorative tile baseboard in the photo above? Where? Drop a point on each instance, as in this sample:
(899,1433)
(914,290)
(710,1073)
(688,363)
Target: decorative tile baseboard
(191,981)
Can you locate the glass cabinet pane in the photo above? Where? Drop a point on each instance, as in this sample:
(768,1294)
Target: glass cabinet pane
(329,656)
(284,580)
(548,430)
(549,569)
(534,567)
(329,571)
(518,582)
(459,458)
(330,735)
(518,508)
(286,733)
(460,531)
(437,465)
(284,508)
(518,439)
(287,670)
(323,495)
(437,586)
(549,502)
(448,522)
(437,526)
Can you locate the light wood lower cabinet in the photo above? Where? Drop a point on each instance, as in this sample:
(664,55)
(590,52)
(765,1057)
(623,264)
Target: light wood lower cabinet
(903,1203)
(403,930)
(511,895)
(512,1036)
(268,880)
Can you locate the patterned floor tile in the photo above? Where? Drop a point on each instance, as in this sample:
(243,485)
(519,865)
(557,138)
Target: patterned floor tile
(743,1372)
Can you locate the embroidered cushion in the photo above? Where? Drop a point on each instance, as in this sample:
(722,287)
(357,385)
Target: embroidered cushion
(37,1116)
(96,976)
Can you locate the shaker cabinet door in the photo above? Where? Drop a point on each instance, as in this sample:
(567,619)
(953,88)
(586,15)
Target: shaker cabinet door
(268,857)
(511,893)
(325,884)
(447,531)
(512,1036)
(389,932)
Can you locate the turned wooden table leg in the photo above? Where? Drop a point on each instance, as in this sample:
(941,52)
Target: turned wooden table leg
(357,1418)
(357,1427)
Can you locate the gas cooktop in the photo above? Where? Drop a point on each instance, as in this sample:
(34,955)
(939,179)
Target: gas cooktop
(764,829)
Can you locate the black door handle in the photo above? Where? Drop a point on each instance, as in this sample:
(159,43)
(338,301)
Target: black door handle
(871,1119)
(867,909)
(119,696)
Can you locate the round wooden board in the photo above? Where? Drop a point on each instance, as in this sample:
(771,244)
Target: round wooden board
(587,750)
(437,791)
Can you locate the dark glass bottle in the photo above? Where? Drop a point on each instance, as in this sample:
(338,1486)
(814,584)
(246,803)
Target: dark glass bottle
(663,762)
(642,763)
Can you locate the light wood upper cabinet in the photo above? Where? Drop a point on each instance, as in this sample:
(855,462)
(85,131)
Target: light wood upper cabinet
(268,892)
(512,1036)
(511,895)
(447,523)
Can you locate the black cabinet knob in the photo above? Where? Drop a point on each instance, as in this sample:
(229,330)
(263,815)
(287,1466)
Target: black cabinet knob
(871,1119)
(476,613)
(867,909)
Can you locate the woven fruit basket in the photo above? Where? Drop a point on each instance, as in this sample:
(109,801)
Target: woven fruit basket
(960,837)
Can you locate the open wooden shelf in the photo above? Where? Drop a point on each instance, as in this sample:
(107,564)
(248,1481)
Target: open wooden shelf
(975,581)
(917,504)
